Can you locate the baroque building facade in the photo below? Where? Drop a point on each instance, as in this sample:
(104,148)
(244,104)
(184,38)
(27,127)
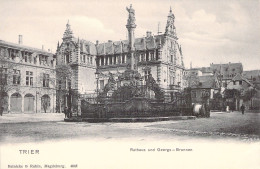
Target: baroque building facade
(93,63)
(27,79)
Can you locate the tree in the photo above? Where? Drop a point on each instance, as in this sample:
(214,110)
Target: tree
(249,94)
(45,102)
(192,80)
(64,77)
(234,95)
(7,78)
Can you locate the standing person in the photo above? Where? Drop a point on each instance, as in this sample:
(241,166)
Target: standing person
(66,112)
(242,108)
(69,113)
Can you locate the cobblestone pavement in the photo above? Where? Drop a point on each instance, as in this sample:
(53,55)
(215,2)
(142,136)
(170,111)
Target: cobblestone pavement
(41,127)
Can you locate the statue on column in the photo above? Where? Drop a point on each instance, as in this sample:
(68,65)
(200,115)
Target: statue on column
(131,16)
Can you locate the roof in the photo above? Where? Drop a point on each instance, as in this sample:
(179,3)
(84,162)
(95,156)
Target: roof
(239,77)
(206,82)
(23,47)
(149,43)
(88,47)
(227,69)
(253,75)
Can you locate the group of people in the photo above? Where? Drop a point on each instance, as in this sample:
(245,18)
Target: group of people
(67,112)
(242,108)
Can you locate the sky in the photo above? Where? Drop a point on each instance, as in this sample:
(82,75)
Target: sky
(209,31)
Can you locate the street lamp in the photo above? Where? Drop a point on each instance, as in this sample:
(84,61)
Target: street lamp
(37,93)
(97,77)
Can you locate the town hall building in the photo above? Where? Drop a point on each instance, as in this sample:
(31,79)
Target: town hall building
(92,63)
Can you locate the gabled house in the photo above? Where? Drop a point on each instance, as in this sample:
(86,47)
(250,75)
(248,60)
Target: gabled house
(203,88)
(242,85)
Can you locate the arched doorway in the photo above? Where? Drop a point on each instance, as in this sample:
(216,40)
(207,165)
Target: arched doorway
(16,103)
(28,103)
(45,103)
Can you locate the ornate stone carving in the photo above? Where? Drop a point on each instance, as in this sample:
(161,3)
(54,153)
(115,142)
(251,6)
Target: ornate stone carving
(131,16)
(68,32)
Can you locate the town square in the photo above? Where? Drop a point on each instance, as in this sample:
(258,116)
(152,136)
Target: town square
(146,77)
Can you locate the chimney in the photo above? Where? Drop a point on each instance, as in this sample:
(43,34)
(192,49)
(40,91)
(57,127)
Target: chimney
(148,34)
(97,42)
(109,41)
(20,39)
(42,47)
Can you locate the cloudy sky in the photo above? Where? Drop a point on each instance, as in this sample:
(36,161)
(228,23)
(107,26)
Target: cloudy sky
(209,31)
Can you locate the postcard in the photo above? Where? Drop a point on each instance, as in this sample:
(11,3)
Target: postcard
(116,84)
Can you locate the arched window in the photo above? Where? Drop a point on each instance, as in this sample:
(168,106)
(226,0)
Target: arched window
(67,58)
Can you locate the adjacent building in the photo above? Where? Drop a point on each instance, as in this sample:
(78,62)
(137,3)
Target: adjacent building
(27,79)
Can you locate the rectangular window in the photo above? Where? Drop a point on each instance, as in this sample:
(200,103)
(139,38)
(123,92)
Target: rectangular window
(147,56)
(146,74)
(84,59)
(234,82)
(25,58)
(240,82)
(40,59)
(30,58)
(123,58)
(16,76)
(69,84)
(67,58)
(142,57)
(46,80)
(152,56)
(59,86)
(29,78)
(91,60)
(101,84)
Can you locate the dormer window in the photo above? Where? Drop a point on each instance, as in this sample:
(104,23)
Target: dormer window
(91,60)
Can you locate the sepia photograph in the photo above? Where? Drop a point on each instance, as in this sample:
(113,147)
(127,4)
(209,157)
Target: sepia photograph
(128,84)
